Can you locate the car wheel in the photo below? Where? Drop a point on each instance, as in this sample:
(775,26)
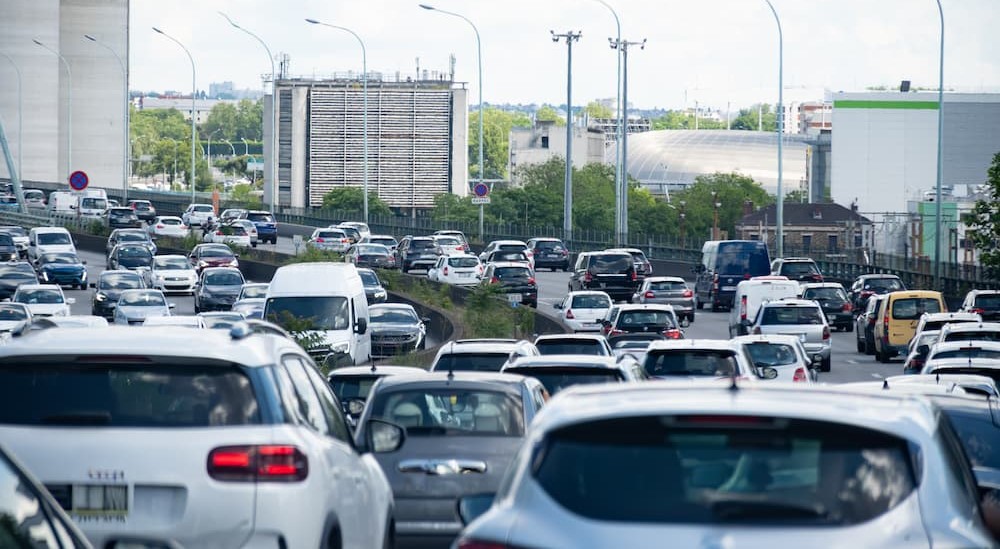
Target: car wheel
(698,304)
(824,365)
(81,286)
(691,318)
(869,347)
(849,328)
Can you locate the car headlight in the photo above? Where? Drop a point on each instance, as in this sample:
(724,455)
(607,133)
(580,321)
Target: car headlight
(343,347)
(84,275)
(100,297)
(234,263)
(379,293)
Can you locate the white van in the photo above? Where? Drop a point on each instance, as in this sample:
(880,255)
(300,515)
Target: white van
(62,202)
(331,298)
(93,203)
(43,240)
(749,296)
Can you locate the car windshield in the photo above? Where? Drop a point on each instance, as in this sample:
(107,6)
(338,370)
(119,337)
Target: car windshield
(512,247)
(120,281)
(883,284)
(591,302)
(225,278)
(463,262)
(94,391)
(421,244)
(12,312)
(121,211)
(94,203)
(254,291)
(471,362)
(133,251)
(796,268)
(369,278)
(646,318)
(171,263)
(59,258)
(911,308)
(792,316)
(508,256)
(447,241)
(234,230)
(723,470)
(556,379)
(512,273)
(373,249)
(53,239)
(772,354)
(142,299)
(132,237)
(39,296)
(203,209)
(223,322)
(170,221)
(350,387)
(967,352)
(691,362)
(825,294)
(451,412)
(988,302)
(570,347)
(611,263)
(667,286)
(260,217)
(17,274)
(938,324)
(316,313)
(972,335)
(392,315)
(216,252)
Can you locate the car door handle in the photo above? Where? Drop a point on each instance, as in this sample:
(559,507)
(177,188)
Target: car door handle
(439,467)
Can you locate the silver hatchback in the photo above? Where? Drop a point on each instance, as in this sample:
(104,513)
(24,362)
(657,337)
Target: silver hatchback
(801,318)
(668,290)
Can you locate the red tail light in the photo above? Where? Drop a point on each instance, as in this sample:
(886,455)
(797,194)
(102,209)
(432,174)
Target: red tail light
(633,275)
(615,332)
(218,233)
(159,226)
(977,310)
(345,240)
(494,280)
(672,333)
(565,252)
(649,295)
(866,293)
(649,268)
(459,248)
(800,375)
(746,276)
(826,332)
(743,307)
(265,463)
(687,293)
(847,307)
(320,239)
(818,277)
(531,281)
(715,283)
(569,314)
(917,364)
(445,270)
(587,277)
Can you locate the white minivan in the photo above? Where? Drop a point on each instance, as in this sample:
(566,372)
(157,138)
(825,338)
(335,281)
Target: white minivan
(43,240)
(749,296)
(330,299)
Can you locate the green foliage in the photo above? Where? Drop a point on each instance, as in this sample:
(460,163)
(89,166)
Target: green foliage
(97,228)
(301,330)
(984,222)
(487,314)
(545,113)
(681,120)
(450,208)
(797,196)
(235,122)
(496,145)
(313,255)
(732,190)
(351,198)
(748,119)
(243,194)
(597,110)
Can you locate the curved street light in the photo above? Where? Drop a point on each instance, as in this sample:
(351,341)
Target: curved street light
(69,111)
(125,114)
(779,234)
(194,92)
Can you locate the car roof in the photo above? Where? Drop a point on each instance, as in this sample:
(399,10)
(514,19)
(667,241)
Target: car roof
(959,345)
(907,388)
(768,338)
(972,327)
(39,287)
(376,370)
(371,236)
(793,302)
(958,315)
(966,381)
(209,270)
(564,337)
(665,279)
(589,292)
(812,285)
(645,307)
(546,239)
(517,264)
(683,344)
(491,381)
(478,346)
(396,306)
(626,250)
(794,259)
(555,361)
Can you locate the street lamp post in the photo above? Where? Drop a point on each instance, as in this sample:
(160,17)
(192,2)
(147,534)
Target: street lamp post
(194,92)
(69,109)
(779,233)
(715,215)
(274,116)
(623,46)
(20,116)
(682,216)
(125,114)
(620,212)
(364,84)
(232,164)
(246,154)
(940,163)
(569,37)
(479,56)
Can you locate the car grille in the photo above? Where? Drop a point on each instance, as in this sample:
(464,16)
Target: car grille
(392,338)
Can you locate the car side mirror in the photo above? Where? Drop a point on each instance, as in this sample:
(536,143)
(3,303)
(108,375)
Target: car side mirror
(362,326)
(384,437)
(557,306)
(84,262)
(472,507)
(817,359)
(171,305)
(768,373)
(605,323)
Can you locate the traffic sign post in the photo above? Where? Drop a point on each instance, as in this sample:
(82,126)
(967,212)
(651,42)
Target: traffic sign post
(481,190)
(78,180)
(480,200)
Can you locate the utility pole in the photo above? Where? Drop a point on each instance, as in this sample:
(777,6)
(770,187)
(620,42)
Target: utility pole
(569,37)
(623,45)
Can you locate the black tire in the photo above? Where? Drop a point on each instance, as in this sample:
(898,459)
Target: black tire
(81,286)
(691,318)
(849,328)
(253,244)
(389,542)
(869,347)
(881,357)
(824,365)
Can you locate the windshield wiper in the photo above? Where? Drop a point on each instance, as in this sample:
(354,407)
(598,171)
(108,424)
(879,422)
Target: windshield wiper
(78,418)
(760,510)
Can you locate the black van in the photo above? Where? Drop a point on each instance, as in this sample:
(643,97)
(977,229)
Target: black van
(724,263)
(612,272)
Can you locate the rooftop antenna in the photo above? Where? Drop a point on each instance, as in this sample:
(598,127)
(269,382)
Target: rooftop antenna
(885,384)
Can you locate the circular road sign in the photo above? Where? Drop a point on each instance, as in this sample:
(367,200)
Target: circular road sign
(481,190)
(78,180)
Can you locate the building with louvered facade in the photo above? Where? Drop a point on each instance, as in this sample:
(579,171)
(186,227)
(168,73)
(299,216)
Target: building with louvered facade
(417,139)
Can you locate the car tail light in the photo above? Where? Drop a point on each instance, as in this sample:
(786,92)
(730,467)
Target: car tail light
(260,463)
(743,307)
(531,281)
(633,275)
(615,332)
(826,332)
(218,233)
(817,277)
(672,333)
(756,331)
(649,295)
(916,364)
(466,543)
(587,277)
(977,310)
(569,314)
(746,276)
(459,248)
(800,375)
(159,226)
(494,280)
(649,268)
(847,307)
(866,293)
(345,240)
(320,240)
(687,293)
(445,271)
(715,283)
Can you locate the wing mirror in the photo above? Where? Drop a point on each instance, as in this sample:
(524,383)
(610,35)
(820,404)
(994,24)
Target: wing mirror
(922,350)
(171,305)
(93,285)
(557,306)
(361,327)
(817,359)
(384,437)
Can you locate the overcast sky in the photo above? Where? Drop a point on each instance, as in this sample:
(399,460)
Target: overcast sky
(713,51)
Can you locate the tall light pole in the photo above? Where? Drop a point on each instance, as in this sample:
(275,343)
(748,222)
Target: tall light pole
(479,57)
(364,83)
(569,37)
(620,211)
(194,92)
(779,233)
(940,163)
(233,164)
(20,116)
(273,168)
(125,114)
(623,46)
(69,109)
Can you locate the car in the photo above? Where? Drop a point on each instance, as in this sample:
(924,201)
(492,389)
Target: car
(801,318)
(833,300)
(182,321)
(251,307)
(352,232)
(43,240)
(610,272)
(130,256)
(143,209)
(129,236)
(375,292)
(483,355)
(231,214)
(962,357)
(267,226)
(750,293)
(109,287)
(374,256)
(361,228)
(549,253)
(20,237)
(13,315)
(168,225)
(212,255)
(624,319)
(868,285)
(984,302)
(572,344)
(724,263)
(972,384)
(396,329)
(583,311)
(250,228)
(253,290)
(112,203)
(221,320)
(635,344)
(802,269)
(235,423)
(64,269)
(417,253)
(334,240)
(170,273)
(515,280)
(72,321)
(43,299)
(353,384)
(643,267)
(937,321)
(918,349)
(34,198)
(669,290)
(559,372)
(217,289)
(14,274)
(692,359)
(970,331)
(450,245)
(458,269)
(135,306)
(506,246)
(118,218)
(197,215)
(864,324)
(462,431)
(455,234)
(9,203)
(697,465)
(508,256)
(232,234)
(784,354)
(901,314)
(386,240)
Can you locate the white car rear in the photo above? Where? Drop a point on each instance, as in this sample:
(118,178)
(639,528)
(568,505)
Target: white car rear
(782,353)
(583,311)
(168,225)
(334,240)
(43,299)
(460,269)
(233,235)
(198,214)
(450,245)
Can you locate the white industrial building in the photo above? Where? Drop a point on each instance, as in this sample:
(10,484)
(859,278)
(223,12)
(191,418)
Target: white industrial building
(48,147)
(544,141)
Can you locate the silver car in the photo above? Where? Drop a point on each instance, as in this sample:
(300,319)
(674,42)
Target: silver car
(659,464)
(669,290)
(135,306)
(801,318)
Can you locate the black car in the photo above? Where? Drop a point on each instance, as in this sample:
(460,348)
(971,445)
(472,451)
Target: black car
(549,253)
(984,302)
(396,329)
(833,300)
(8,250)
(374,290)
(129,256)
(62,268)
(610,272)
(868,285)
(418,253)
(122,218)
(370,255)
(109,287)
(20,237)
(13,274)
(218,289)
(143,209)
(129,236)
(515,280)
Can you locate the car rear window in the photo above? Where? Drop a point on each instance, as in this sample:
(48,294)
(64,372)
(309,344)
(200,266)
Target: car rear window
(967,352)
(667,286)
(938,324)
(591,302)
(741,258)
(97,392)
(611,263)
(471,362)
(883,284)
(451,412)
(387,242)
(835,295)
(988,302)
(691,362)
(348,387)
(910,308)
(766,354)
(548,245)
(512,273)
(792,315)
(6,240)
(656,319)
(796,268)
(260,217)
(557,379)
(447,241)
(724,470)
(420,244)
(463,262)
(570,347)
(972,335)
(512,247)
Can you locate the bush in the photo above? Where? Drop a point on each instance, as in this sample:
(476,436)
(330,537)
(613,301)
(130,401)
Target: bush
(313,255)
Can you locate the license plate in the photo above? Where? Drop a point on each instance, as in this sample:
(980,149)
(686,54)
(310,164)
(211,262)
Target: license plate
(513,298)
(729,288)
(830,317)
(464,275)
(603,285)
(100,500)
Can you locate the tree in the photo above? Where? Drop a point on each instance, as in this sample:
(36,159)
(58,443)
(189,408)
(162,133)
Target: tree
(496,145)
(748,118)
(732,190)
(235,121)
(351,198)
(798,195)
(546,113)
(984,222)
(597,110)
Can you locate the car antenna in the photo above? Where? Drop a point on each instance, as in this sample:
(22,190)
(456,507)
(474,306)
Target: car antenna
(885,384)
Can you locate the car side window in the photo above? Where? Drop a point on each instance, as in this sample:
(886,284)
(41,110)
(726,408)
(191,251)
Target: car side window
(309,406)
(331,407)
(23,514)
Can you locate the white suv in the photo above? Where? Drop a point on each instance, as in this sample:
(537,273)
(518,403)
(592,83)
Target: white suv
(209,438)
(198,214)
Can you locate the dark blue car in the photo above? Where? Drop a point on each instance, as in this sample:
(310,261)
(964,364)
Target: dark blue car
(62,268)
(267,227)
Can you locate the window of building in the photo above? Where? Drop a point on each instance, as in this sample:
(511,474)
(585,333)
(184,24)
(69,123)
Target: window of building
(831,243)
(807,240)
(545,141)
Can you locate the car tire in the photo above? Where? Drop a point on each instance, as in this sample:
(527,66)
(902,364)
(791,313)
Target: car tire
(869,347)
(849,328)
(824,365)
(389,541)
(691,318)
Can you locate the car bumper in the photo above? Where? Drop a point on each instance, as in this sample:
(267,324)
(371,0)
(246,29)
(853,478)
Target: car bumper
(549,262)
(64,279)
(582,325)
(615,292)
(216,304)
(823,350)
(167,286)
(383,348)
(105,309)
(839,318)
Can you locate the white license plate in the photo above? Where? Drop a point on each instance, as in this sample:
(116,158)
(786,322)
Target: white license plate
(464,275)
(514,298)
(830,317)
(100,500)
(729,288)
